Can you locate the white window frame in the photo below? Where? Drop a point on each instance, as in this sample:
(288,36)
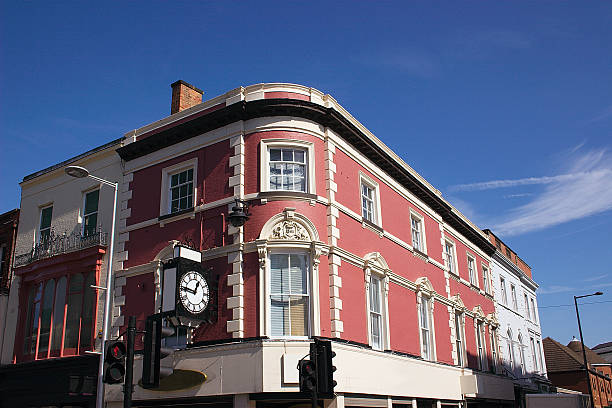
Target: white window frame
(494,350)
(481,344)
(452,263)
(513,296)
(264,162)
(167,173)
(420,220)
(533,354)
(384,299)
(521,352)
(460,345)
(510,350)
(486,278)
(40,213)
(503,290)
(364,179)
(472,274)
(309,276)
(431,355)
(527,308)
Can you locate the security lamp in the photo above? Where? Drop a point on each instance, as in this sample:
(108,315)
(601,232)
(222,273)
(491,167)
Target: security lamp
(240,213)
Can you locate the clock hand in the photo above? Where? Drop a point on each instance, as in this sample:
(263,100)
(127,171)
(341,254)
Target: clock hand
(192,291)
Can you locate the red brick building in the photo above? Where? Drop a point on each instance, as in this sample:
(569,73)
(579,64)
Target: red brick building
(345,241)
(566,370)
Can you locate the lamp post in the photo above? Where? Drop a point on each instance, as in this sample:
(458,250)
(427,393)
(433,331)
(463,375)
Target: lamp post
(586,367)
(81,172)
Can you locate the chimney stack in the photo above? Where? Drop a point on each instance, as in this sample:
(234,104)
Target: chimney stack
(184,96)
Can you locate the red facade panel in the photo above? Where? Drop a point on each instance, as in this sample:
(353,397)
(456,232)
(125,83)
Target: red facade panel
(403,320)
(354,312)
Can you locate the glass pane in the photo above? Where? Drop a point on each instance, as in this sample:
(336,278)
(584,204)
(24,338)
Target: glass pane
(73,317)
(89,306)
(279,274)
(91,201)
(190,175)
(174,194)
(375,330)
(28,323)
(425,345)
(174,180)
(58,314)
(45,319)
(298,311)
(287,155)
(298,274)
(300,156)
(90,223)
(275,154)
(287,183)
(45,217)
(424,314)
(184,190)
(279,315)
(375,295)
(182,177)
(183,203)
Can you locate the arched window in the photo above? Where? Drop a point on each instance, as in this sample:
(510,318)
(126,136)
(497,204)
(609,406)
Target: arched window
(510,350)
(59,309)
(521,353)
(73,315)
(31,323)
(45,319)
(89,307)
(425,307)
(289,294)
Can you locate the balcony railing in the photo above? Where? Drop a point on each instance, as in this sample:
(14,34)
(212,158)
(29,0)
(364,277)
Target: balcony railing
(61,244)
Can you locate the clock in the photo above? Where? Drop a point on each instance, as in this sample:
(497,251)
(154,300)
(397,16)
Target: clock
(193,292)
(189,289)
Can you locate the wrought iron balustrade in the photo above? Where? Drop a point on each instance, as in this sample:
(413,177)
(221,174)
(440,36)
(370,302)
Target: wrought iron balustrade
(61,244)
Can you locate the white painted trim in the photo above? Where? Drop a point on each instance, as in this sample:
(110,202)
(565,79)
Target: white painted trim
(421,220)
(264,170)
(368,181)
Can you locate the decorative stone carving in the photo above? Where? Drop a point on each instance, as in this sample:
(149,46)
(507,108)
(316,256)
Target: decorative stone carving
(289,230)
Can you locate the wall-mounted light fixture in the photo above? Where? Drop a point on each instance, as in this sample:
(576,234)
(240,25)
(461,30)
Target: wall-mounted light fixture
(240,213)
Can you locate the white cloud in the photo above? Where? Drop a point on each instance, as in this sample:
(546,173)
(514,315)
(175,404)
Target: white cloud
(585,190)
(576,289)
(489,185)
(603,115)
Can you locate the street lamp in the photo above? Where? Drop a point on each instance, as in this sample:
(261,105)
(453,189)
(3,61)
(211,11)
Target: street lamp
(81,172)
(586,367)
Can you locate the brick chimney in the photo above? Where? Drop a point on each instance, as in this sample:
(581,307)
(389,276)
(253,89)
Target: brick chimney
(184,96)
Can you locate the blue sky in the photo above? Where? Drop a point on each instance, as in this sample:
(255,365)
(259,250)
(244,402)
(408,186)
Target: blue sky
(506,107)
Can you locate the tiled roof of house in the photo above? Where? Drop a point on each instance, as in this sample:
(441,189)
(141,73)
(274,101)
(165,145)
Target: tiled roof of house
(563,358)
(602,345)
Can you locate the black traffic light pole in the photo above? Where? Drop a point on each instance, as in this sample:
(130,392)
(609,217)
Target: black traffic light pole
(128,385)
(313,357)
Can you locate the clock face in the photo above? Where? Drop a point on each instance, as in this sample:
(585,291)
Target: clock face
(194,293)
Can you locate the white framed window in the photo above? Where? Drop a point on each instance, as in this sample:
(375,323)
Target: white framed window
(368,203)
(485,279)
(370,199)
(534,311)
(533,354)
(510,350)
(417,228)
(289,295)
(90,212)
(540,356)
(471,262)
(425,325)
(459,338)
(504,294)
(287,165)
(480,346)
(450,256)
(521,353)
(178,189)
(494,349)
(376,313)
(513,296)
(527,310)
(44,228)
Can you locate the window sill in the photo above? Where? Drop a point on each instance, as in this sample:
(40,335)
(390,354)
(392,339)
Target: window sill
(420,253)
(273,195)
(374,227)
(166,218)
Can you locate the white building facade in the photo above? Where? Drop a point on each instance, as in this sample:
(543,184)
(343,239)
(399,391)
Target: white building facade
(520,335)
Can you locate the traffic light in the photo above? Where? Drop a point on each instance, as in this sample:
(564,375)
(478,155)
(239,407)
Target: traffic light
(114,361)
(324,367)
(154,352)
(308,376)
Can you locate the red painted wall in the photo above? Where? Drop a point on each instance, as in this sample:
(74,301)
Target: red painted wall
(353,312)
(443,335)
(403,320)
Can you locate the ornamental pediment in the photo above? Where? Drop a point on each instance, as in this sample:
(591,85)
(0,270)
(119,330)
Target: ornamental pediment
(289,230)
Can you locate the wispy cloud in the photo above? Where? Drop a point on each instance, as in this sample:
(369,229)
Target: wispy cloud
(603,115)
(518,195)
(410,62)
(489,185)
(596,278)
(561,289)
(583,191)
